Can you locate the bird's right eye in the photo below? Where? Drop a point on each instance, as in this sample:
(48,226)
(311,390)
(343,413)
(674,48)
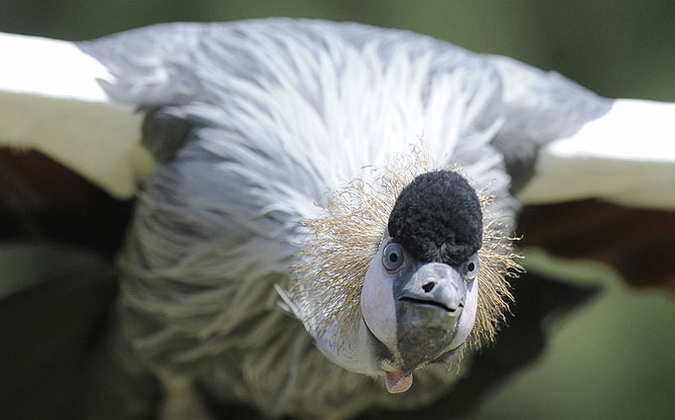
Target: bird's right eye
(392,257)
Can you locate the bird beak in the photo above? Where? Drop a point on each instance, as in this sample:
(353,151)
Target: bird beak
(433,286)
(435,311)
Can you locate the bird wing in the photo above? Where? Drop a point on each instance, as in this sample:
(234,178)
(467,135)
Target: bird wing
(560,141)
(51,100)
(626,156)
(596,176)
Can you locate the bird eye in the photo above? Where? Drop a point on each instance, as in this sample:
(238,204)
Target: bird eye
(471,267)
(392,257)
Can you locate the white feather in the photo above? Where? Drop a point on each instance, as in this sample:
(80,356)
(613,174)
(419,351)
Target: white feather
(51,101)
(626,156)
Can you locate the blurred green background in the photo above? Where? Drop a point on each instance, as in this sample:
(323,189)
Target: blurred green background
(613,359)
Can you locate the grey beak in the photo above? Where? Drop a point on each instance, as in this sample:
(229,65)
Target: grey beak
(436,285)
(429,302)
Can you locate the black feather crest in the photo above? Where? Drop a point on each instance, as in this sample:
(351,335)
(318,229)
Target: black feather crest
(438,218)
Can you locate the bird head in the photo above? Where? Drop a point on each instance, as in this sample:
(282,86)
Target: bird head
(419,295)
(404,274)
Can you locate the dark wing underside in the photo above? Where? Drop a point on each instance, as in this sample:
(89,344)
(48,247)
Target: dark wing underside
(636,242)
(42,201)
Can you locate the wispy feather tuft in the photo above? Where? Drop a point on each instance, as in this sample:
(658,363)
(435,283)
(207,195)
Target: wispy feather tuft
(333,263)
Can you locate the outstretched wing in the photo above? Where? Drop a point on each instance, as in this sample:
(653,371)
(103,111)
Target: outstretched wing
(560,141)
(51,100)
(596,176)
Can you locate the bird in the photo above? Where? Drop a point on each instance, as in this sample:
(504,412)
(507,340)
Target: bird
(324,216)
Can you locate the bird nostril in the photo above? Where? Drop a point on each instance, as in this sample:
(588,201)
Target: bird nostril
(427,287)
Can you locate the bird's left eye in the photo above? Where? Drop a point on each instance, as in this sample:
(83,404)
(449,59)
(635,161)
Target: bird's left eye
(392,257)
(471,267)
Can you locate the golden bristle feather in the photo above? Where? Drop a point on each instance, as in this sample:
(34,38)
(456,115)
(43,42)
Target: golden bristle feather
(333,263)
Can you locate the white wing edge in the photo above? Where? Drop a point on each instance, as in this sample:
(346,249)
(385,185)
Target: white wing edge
(627,156)
(51,101)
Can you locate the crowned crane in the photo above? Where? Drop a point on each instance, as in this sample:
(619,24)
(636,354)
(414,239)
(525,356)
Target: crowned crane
(324,212)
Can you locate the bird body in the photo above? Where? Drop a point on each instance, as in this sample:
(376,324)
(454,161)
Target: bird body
(306,110)
(280,149)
